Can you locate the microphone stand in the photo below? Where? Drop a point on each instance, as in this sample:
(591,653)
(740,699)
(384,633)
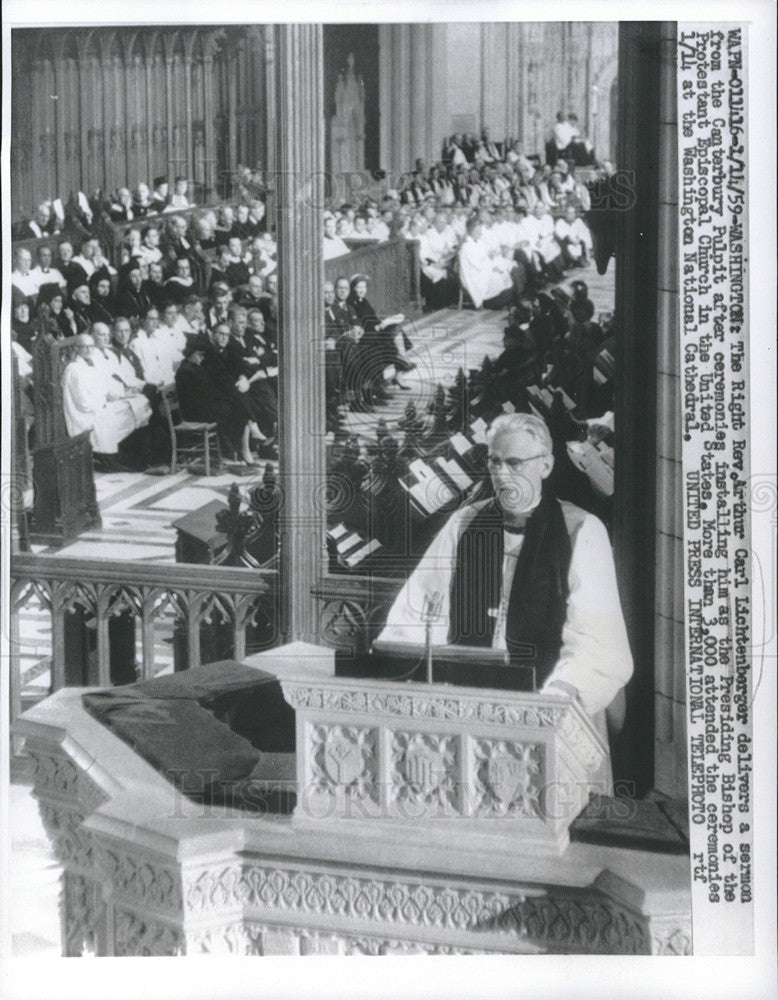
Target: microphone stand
(430,613)
(429,649)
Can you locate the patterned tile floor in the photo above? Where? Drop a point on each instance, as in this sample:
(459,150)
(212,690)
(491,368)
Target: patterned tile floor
(138,511)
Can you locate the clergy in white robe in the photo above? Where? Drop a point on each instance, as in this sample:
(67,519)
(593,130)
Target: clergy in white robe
(334,245)
(90,404)
(118,375)
(482,276)
(173,329)
(437,249)
(591,659)
(153,349)
(540,229)
(21,276)
(573,235)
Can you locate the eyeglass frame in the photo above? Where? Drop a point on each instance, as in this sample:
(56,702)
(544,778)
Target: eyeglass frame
(517,467)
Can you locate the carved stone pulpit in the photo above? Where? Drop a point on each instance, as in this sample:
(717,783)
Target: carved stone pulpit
(427,822)
(347,125)
(503,764)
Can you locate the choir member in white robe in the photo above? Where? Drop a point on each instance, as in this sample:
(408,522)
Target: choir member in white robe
(151,347)
(379,227)
(574,237)
(21,276)
(91,405)
(85,258)
(173,329)
(485,278)
(437,250)
(334,245)
(119,376)
(593,662)
(44,273)
(539,227)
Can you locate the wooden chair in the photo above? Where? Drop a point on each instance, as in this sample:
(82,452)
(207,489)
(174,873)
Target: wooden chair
(188,438)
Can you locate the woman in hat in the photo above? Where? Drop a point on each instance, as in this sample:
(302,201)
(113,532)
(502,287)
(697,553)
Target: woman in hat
(384,343)
(23,330)
(131,300)
(53,317)
(102,308)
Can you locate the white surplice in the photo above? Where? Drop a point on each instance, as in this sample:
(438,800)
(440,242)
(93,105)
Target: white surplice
(594,658)
(86,406)
(481,276)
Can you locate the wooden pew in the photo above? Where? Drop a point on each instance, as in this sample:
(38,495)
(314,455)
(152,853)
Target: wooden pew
(65,501)
(393,269)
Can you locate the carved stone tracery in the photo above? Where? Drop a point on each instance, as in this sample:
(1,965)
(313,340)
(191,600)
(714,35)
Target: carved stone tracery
(344,758)
(424,771)
(507,775)
(421,704)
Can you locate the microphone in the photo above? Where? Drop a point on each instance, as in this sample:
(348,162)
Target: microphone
(430,613)
(432,605)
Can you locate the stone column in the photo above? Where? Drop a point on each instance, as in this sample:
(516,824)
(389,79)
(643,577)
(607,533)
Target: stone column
(385,102)
(513,90)
(494,80)
(300,187)
(270,118)
(439,122)
(401,99)
(418,92)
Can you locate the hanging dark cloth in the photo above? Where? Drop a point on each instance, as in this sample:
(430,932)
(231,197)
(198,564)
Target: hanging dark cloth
(537,606)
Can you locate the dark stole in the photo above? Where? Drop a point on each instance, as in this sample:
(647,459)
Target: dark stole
(537,606)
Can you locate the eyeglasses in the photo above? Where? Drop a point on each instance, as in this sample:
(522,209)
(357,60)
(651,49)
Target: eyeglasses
(495,464)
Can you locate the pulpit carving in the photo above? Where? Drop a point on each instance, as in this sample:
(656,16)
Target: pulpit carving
(134,935)
(423,771)
(343,759)
(507,775)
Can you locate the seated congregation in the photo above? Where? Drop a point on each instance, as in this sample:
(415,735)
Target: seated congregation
(159,293)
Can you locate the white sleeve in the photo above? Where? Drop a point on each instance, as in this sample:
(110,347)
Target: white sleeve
(583,233)
(595,657)
(432,576)
(78,391)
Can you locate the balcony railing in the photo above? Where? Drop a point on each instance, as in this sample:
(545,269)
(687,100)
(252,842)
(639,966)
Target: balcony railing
(195,595)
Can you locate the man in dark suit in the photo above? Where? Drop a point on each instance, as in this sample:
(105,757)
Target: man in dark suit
(80,305)
(67,267)
(205,394)
(43,223)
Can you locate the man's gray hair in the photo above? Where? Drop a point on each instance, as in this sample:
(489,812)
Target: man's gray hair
(524,423)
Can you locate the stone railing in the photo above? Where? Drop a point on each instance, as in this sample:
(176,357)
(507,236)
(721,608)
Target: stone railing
(353,609)
(240,602)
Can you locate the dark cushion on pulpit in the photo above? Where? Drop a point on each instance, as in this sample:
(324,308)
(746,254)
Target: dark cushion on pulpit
(206,730)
